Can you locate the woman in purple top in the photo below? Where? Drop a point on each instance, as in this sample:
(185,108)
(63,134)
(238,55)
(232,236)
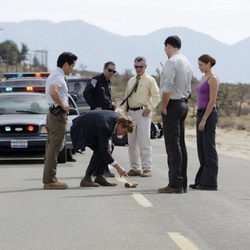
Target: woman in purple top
(207,118)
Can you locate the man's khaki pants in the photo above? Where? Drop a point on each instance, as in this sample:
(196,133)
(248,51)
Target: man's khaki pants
(56,128)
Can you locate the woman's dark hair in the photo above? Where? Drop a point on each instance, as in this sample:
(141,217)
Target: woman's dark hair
(174,41)
(206,59)
(66,57)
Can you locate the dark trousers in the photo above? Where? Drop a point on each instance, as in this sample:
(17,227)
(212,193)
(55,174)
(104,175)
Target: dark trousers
(103,164)
(97,164)
(208,158)
(174,135)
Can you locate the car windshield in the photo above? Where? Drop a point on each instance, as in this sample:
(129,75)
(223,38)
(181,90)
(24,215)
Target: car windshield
(23,104)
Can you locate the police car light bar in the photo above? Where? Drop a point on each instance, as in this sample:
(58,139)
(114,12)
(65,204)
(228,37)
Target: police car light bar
(8,89)
(35,89)
(21,89)
(17,75)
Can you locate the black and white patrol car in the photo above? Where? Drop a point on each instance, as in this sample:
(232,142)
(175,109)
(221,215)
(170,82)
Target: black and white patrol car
(22,124)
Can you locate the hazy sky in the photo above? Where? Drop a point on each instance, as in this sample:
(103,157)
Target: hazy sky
(226,20)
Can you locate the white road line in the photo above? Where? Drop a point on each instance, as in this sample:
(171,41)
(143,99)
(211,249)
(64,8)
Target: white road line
(182,242)
(142,200)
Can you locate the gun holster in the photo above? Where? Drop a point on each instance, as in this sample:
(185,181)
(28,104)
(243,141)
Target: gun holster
(56,110)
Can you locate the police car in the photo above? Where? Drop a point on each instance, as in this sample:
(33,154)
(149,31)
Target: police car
(14,82)
(35,82)
(23,116)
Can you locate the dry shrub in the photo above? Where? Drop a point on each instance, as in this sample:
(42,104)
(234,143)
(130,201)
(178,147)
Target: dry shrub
(235,122)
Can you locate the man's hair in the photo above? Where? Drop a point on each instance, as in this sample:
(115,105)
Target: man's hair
(126,122)
(174,41)
(66,57)
(107,64)
(206,59)
(139,59)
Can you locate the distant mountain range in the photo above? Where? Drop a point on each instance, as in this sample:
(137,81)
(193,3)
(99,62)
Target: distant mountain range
(94,46)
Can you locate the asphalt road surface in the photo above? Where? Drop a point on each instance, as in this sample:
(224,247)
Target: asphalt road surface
(114,218)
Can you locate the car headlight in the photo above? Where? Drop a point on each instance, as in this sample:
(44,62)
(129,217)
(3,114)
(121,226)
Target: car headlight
(44,130)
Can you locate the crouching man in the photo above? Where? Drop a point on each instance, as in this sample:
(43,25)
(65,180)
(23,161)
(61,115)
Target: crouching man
(94,130)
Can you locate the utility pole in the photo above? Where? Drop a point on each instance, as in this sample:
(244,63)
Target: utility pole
(42,57)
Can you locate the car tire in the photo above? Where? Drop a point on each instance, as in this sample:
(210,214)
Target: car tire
(62,158)
(160,130)
(153,131)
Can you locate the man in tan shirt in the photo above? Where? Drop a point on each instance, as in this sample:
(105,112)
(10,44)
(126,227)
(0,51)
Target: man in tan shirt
(142,96)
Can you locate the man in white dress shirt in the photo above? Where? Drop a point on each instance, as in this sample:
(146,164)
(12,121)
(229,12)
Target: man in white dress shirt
(56,91)
(175,86)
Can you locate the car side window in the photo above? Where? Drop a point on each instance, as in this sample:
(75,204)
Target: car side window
(77,88)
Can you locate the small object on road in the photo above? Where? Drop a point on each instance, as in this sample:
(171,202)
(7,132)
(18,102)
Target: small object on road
(130,185)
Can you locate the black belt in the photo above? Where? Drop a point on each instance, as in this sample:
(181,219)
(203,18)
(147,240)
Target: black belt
(137,108)
(53,106)
(56,110)
(179,100)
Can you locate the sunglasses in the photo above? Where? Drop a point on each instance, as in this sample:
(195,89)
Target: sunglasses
(138,67)
(111,70)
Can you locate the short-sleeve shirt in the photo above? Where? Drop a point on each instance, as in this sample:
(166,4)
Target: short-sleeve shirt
(57,77)
(98,93)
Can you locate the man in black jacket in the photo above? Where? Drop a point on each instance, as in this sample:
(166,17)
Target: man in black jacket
(98,94)
(98,91)
(94,130)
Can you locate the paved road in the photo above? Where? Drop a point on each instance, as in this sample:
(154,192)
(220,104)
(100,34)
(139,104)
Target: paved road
(114,218)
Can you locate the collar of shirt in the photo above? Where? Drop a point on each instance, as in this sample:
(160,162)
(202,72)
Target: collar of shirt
(104,78)
(175,53)
(142,76)
(60,71)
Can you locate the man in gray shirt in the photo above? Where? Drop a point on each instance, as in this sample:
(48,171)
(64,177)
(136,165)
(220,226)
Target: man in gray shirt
(175,88)
(57,97)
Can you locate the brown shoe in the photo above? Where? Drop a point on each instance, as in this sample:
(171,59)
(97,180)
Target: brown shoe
(146,173)
(170,190)
(87,182)
(55,185)
(103,182)
(134,172)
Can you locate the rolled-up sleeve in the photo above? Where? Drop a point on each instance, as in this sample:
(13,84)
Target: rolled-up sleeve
(167,77)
